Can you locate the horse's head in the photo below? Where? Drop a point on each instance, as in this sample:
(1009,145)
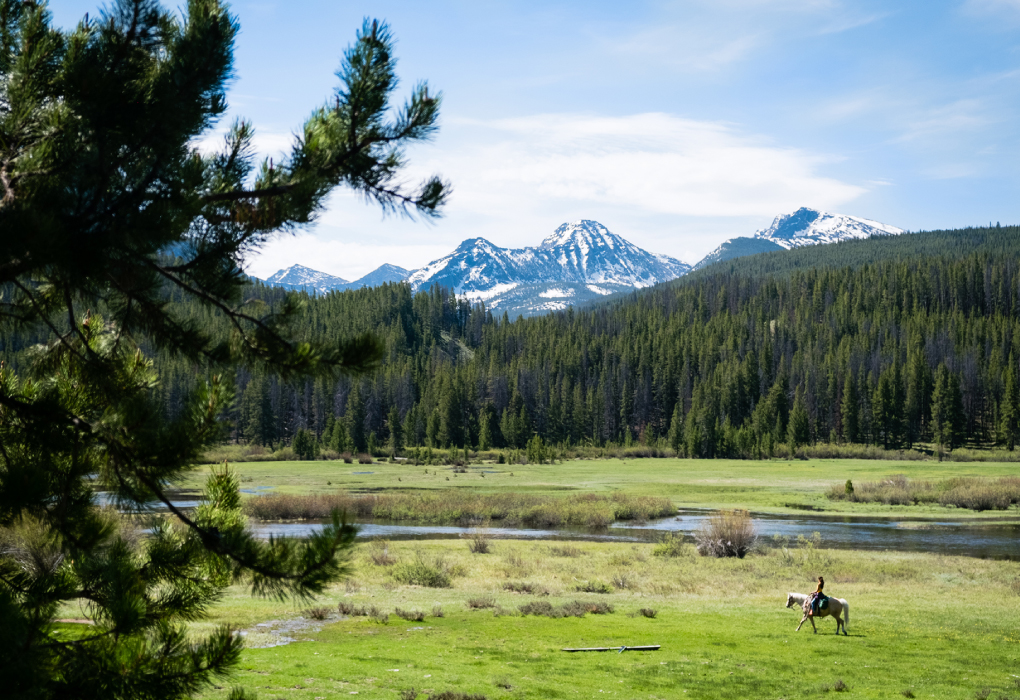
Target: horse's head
(789,600)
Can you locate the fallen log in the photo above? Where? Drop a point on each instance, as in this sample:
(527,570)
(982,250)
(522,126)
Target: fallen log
(654,647)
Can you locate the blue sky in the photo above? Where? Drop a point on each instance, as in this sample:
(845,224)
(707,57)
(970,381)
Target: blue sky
(675,124)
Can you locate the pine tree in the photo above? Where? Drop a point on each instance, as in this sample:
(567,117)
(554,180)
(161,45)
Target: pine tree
(850,410)
(396,441)
(799,431)
(946,409)
(105,203)
(1009,410)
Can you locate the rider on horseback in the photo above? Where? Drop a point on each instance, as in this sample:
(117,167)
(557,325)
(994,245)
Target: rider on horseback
(816,598)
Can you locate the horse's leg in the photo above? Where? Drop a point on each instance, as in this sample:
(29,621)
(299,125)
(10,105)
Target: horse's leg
(802,623)
(839,623)
(813,626)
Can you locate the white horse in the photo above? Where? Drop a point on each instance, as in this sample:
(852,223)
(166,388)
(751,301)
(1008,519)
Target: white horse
(837,607)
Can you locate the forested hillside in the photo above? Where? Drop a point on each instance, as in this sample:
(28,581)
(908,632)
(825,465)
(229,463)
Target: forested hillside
(873,344)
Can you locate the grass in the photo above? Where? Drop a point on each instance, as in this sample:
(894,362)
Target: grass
(777,486)
(942,627)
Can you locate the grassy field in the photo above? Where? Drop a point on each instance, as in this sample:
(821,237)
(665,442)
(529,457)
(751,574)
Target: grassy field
(921,626)
(765,486)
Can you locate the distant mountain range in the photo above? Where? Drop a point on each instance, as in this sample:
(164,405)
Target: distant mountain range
(581,261)
(304,279)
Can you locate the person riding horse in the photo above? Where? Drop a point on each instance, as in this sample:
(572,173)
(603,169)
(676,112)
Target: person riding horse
(817,598)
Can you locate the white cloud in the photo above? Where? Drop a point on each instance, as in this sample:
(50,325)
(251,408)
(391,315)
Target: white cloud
(653,163)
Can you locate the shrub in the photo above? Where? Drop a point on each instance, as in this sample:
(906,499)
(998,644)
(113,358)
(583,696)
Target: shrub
(364,458)
(573,609)
(908,693)
(839,686)
(318,613)
(347,458)
(727,534)
(410,615)
(525,587)
(671,545)
(622,581)
(431,572)
(593,586)
(437,611)
(350,609)
(455,695)
(481,603)
(380,618)
(409,694)
(479,542)
(648,612)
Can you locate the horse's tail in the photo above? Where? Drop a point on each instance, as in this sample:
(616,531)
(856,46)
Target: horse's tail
(846,614)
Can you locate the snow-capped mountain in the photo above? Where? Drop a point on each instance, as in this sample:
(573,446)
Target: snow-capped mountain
(811,227)
(301,278)
(801,228)
(579,261)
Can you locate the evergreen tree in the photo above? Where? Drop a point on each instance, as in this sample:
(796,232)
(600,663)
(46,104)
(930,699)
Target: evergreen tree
(396,441)
(1009,410)
(106,204)
(946,409)
(850,410)
(799,431)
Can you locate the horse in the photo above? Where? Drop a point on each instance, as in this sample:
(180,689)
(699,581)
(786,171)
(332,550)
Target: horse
(836,608)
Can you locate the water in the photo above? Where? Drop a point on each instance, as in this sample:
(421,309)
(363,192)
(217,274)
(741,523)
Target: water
(983,540)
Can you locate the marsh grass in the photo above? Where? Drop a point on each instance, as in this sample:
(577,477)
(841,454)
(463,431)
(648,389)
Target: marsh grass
(481,603)
(590,510)
(574,608)
(318,613)
(973,493)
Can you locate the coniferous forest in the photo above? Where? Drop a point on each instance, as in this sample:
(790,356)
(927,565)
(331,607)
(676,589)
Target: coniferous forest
(887,342)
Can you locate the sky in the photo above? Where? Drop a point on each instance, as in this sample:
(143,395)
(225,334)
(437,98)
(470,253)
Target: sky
(677,125)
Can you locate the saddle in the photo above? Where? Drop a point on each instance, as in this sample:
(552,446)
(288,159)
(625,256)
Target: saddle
(819,602)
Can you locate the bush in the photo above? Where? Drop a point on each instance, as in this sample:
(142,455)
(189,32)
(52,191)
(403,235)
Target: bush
(410,615)
(318,613)
(364,458)
(351,610)
(524,587)
(455,695)
(573,609)
(671,545)
(622,581)
(479,542)
(437,611)
(648,612)
(431,572)
(481,603)
(727,534)
(593,586)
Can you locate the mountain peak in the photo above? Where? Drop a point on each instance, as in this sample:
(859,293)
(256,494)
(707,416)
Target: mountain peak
(582,231)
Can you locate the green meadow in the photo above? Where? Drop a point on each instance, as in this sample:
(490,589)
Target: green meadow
(772,486)
(921,626)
